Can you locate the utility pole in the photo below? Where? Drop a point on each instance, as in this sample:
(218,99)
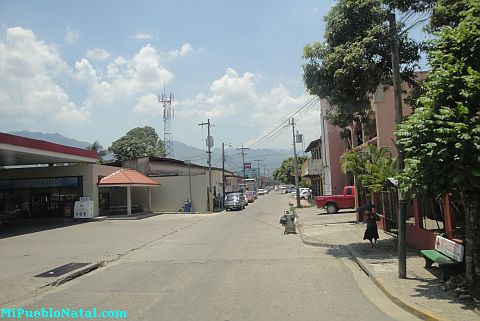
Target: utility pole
(167,122)
(295,163)
(223,172)
(243,164)
(209,152)
(402,204)
(258,171)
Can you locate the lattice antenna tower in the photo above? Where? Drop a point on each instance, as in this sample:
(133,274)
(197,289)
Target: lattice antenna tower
(167,121)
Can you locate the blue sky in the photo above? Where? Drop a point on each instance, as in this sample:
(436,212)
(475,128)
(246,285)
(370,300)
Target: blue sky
(91,70)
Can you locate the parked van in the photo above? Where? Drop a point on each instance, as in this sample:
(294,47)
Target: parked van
(235,201)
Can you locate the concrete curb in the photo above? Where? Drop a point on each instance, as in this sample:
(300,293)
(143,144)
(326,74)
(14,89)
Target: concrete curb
(419,313)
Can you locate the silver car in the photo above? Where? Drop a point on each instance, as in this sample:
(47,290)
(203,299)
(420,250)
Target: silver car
(235,201)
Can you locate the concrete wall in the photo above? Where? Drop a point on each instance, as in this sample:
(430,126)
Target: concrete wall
(174,190)
(384,108)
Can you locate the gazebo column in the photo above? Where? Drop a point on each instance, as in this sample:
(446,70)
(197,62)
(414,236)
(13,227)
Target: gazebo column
(129,200)
(149,199)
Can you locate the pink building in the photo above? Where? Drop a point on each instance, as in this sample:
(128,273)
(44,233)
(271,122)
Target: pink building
(378,130)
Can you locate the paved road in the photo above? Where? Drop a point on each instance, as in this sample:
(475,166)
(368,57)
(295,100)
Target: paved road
(229,266)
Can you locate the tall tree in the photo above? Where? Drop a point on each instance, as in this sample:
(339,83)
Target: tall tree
(138,142)
(441,138)
(355,58)
(95,146)
(286,172)
(366,47)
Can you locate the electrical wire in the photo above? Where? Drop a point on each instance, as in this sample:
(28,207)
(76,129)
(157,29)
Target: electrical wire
(279,128)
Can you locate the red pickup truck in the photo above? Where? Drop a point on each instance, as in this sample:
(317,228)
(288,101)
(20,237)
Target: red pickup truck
(332,203)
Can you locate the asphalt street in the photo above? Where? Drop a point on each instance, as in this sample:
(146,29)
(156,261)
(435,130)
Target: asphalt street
(228,266)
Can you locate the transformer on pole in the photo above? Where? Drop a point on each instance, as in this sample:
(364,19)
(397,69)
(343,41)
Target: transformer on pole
(167,124)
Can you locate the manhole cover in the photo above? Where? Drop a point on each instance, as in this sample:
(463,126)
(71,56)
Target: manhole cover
(61,270)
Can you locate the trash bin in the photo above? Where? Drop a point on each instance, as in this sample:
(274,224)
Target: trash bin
(290,228)
(187,206)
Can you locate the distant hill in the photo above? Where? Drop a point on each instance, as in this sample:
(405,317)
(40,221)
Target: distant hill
(233,160)
(53,138)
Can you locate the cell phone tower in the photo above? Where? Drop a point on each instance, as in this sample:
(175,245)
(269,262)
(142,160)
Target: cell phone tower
(167,122)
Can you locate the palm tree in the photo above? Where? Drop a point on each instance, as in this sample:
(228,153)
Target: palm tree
(371,166)
(99,149)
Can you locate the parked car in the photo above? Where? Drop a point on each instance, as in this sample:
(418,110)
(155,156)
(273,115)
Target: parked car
(245,200)
(305,193)
(290,189)
(235,201)
(261,191)
(250,197)
(332,203)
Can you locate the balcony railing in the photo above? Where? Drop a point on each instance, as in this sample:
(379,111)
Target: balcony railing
(312,167)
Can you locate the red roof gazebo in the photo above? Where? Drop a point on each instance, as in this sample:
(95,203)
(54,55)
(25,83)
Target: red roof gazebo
(128,178)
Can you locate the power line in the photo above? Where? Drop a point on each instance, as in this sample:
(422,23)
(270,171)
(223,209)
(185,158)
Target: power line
(274,131)
(269,135)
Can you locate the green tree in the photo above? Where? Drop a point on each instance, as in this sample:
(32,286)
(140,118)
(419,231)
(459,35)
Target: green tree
(355,58)
(441,138)
(371,166)
(138,142)
(95,146)
(286,172)
(447,13)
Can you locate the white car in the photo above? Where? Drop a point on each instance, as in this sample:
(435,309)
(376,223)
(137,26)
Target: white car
(261,191)
(305,193)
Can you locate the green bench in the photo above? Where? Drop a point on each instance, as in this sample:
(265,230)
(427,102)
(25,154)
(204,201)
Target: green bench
(447,254)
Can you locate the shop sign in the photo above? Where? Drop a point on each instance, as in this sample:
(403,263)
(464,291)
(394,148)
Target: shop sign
(39,182)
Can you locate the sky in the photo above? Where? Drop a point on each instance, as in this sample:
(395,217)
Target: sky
(92,70)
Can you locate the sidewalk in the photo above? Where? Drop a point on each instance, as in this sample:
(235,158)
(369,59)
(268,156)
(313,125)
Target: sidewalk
(421,293)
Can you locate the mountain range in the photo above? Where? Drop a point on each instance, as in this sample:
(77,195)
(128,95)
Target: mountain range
(271,158)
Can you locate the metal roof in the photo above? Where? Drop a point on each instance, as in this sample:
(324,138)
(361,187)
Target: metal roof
(17,150)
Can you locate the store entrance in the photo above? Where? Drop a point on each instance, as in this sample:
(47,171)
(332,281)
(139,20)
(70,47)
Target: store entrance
(40,203)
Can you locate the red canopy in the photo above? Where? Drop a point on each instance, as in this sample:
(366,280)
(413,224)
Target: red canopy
(126,177)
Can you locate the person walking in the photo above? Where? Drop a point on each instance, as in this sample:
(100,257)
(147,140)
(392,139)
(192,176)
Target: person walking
(371,233)
(284,221)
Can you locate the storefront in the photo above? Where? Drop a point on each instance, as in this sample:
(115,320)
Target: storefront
(40,197)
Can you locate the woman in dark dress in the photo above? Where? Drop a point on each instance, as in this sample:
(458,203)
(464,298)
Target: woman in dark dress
(372,231)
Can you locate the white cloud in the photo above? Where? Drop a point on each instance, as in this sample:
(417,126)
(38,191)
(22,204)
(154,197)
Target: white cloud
(148,105)
(182,52)
(97,54)
(124,78)
(235,96)
(32,71)
(29,89)
(71,35)
(142,36)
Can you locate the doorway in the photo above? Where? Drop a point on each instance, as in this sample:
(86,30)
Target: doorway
(40,203)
